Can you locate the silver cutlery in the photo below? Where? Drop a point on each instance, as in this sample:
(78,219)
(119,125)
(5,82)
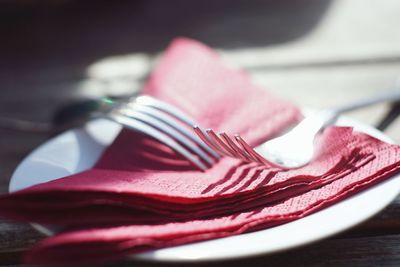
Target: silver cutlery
(293,149)
(163,122)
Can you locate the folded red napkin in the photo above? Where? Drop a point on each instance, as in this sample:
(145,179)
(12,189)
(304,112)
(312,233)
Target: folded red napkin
(100,244)
(162,200)
(104,196)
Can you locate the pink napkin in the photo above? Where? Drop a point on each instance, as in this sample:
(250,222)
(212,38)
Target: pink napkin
(110,196)
(154,198)
(100,244)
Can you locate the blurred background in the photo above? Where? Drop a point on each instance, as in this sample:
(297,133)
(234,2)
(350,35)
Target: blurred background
(316,53)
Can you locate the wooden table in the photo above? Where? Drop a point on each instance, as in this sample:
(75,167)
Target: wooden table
(316,53)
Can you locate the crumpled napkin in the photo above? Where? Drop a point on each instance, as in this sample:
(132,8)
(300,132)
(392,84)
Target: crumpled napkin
(142,195)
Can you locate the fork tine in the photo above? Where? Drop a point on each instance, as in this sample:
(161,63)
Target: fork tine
(221,144)
(207,140)
(247,148)
(166,118)
(156,134)
(251,151)
(240,152)
(167,129)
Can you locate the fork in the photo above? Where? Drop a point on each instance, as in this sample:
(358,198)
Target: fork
(291,150)
(163,122)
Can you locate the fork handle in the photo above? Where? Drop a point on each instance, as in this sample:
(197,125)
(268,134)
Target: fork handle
(392,96)
(311,125)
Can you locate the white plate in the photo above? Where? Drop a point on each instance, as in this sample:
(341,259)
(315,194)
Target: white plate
(78,149)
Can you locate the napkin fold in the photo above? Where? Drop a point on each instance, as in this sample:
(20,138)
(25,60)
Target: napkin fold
(111,196)
(115,242)
(142,195)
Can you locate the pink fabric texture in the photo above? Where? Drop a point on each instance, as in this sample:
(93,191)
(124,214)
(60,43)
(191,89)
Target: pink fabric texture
(141,195)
